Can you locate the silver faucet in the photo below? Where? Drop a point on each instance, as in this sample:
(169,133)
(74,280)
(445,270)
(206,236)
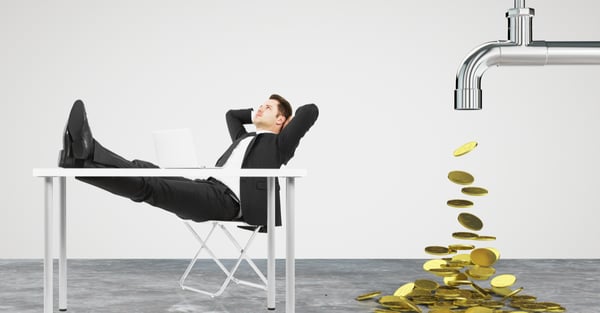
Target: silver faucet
(519,49)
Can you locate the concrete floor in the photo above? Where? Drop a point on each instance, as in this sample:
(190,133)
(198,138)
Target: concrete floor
(322,285)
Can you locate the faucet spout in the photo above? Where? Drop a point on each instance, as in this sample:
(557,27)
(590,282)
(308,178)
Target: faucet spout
(519,50)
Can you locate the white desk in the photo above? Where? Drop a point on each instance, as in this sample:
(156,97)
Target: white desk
(49,175)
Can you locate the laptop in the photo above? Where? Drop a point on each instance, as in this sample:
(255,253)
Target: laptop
(175,148)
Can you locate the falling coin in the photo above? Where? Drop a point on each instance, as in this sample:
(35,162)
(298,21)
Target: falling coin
(461,247)
(470,221)
(464,235)
(437,250)
(485,238)
(461,178)
(459,203)
(466,148)
(483,257)
(368,296)
(474,191)
(503,281)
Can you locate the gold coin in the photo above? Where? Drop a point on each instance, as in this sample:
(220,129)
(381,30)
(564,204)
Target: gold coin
(448,279)
(404,290)
(485,238)
(493,304)
(474,191)
(444,310)
(440,305)
(463,258)
(392,300)
(533,307)
(503,292)
(461,178)
(443,292)
(483,257)
(459,203)
(476,277)
(479,309)
(437,250)
(455,283)
(496,252)
(433,264)
(419,293)
(464,235)
(466,148)
(480,290)
(444,272)
(550,305)
(413,306)
(368,296)
(468,302)
(461,247)
(470,221)
(482,271)
(523,298)
(514,293)
(426,284)
(503,281)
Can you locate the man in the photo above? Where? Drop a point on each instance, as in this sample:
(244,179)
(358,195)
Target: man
(273,144)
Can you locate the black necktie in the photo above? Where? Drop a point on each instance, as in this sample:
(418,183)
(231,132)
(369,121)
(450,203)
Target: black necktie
(223,159)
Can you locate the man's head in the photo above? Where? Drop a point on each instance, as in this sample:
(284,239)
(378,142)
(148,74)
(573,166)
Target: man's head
(272,114)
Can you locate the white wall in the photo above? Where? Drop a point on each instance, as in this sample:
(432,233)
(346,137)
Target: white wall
(382,73)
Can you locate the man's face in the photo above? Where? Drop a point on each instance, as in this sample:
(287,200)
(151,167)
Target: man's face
(267,115)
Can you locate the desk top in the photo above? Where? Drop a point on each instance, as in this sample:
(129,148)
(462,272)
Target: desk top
(163,172)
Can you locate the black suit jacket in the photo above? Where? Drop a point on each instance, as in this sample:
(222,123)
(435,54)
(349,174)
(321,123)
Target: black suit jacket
(266,150)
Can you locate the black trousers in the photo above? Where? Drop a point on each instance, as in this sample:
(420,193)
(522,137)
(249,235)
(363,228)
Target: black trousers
(198,200)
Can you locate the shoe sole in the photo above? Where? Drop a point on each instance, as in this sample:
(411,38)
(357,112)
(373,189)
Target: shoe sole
(74,126)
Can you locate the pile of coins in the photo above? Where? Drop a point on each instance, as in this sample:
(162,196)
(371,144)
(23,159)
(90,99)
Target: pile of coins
(462,273)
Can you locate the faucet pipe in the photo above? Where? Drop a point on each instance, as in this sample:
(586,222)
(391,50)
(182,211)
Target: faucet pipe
(467,95)
(519,50)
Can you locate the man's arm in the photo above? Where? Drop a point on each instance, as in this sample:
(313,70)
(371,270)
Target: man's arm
(294,130)
(236,120)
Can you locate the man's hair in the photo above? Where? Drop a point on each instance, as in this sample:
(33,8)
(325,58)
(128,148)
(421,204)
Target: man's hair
(284,106)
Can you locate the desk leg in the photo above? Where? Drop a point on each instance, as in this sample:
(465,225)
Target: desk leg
(290,262)
(62,262)
(271,245)
(48,216)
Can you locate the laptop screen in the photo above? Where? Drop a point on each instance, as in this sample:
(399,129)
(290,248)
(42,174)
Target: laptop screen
(175,148)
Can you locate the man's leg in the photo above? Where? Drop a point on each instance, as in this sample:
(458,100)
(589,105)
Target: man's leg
(198,200)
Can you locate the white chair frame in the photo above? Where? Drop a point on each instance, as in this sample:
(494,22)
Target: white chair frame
(228,272)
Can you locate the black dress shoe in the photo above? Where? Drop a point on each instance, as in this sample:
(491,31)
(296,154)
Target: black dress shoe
(78,140)
(66,161)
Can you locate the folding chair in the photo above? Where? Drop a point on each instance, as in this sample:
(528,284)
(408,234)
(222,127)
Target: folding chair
(230,273)
(175,148)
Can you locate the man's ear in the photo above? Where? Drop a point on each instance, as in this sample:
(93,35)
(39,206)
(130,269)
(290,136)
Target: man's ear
(280,120)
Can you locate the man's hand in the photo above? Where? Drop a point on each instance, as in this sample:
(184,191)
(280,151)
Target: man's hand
(287,122)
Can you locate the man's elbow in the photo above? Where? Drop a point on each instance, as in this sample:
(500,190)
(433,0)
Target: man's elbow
(310,109)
